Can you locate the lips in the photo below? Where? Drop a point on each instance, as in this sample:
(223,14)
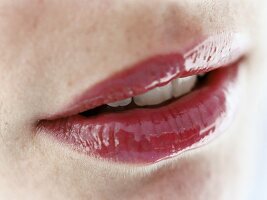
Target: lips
(148,134)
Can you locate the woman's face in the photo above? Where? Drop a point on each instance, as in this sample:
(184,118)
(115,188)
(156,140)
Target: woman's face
(52,51)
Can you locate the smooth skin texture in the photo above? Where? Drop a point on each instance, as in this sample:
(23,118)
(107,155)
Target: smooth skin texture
(52,50)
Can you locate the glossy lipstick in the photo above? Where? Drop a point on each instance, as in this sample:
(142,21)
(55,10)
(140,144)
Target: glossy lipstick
(151,134)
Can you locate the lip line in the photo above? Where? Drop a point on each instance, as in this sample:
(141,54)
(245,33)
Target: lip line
(178,65)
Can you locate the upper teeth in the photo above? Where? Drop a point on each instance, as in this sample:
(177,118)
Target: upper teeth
(155,96)
(124,102)
(175,88)
(184,85)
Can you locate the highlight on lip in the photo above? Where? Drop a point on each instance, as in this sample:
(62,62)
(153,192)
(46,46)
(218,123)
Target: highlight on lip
(156,109)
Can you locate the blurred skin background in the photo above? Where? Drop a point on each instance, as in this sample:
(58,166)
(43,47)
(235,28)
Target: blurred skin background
(44,45)
(259,182)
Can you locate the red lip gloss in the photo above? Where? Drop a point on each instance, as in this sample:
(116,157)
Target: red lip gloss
(148,135)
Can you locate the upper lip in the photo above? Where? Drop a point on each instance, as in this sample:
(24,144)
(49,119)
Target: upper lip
(204,55)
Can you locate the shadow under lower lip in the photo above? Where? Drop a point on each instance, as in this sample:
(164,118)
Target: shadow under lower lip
(149,135)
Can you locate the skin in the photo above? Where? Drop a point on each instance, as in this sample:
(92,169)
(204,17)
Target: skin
(51,51)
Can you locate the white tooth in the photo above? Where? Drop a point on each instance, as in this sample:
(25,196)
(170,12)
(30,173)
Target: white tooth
(184,85)
(155,96)
(124,102)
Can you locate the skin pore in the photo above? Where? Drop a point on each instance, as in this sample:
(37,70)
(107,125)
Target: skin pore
(52,50)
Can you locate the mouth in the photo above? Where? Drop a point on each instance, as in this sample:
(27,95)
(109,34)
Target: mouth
(158,108)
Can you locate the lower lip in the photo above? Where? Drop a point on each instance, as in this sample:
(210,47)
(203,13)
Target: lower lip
(148,135)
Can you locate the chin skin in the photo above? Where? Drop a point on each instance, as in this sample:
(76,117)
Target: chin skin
(51,47)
